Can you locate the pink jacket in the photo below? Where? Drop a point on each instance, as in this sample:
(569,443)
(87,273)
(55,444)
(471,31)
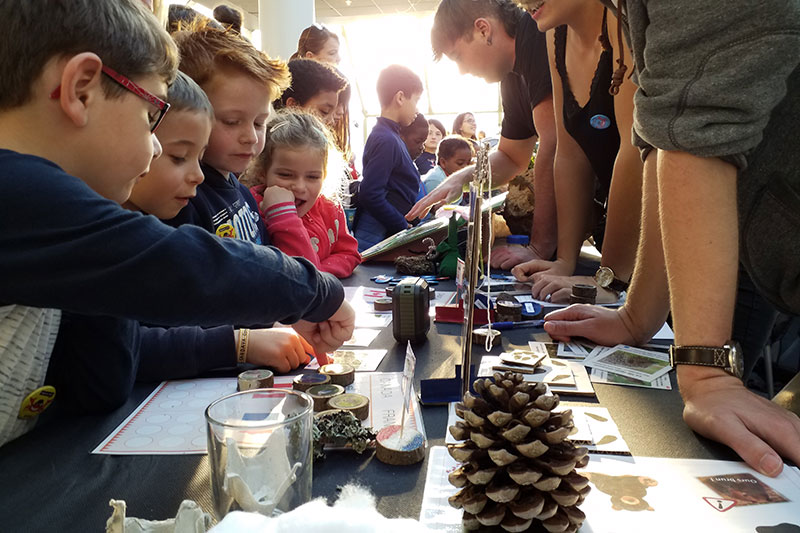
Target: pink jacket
(321,236)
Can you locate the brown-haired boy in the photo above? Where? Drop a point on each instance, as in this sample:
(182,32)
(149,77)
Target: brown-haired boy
(241,83)
(74,136)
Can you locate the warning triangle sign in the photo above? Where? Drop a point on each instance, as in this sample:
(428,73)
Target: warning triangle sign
(720,504)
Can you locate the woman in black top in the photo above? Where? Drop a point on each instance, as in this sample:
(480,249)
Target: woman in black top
(598,172)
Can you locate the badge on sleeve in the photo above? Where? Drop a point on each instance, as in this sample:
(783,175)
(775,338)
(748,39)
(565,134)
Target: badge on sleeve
(37,401)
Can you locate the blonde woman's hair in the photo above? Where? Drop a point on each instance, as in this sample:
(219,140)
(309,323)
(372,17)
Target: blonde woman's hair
(295,128)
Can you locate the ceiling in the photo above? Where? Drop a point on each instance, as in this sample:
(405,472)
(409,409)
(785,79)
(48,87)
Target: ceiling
(330,10)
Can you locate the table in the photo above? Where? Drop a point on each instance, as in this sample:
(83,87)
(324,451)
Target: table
(49,480)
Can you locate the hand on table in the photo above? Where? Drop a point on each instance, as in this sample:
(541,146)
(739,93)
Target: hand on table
(719,407)
(281,349)
(275,195)
(330,334)
(559,288)
(507,257)
(600,325)
(532,270)
(448,190)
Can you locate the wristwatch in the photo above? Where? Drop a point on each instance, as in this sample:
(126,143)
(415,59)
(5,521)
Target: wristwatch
(606,279)
(728,357)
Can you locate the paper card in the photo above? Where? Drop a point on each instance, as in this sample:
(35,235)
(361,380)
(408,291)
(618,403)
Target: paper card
(547,348)
(373,320)
(596,430)
(527,358)
(361,360)
(581,387)
(644,365)
(601,376)
(743,489)
(571,349)
(635,494)
(546,372)
(362,337)
(436,514)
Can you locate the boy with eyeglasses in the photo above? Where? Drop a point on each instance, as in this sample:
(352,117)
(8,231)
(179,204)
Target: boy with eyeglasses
(74,137)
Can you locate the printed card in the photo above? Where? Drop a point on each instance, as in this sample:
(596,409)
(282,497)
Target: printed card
(632,362)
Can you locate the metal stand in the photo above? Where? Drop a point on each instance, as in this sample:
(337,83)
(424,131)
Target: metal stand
(476,188)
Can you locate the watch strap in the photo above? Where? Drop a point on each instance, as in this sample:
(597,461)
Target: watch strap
(700,355)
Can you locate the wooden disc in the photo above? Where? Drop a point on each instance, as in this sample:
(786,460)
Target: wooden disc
(322,393)
(383,304)
(340,374)
(479,336)
(260,378)
(303,382)
(357,404)
(394,450)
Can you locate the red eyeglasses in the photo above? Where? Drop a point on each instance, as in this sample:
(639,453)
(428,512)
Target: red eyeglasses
(161,106)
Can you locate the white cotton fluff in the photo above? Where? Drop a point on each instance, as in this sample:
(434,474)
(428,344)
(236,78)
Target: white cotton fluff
(353,512)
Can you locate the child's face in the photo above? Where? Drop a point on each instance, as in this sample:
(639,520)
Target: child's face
(459,160)
(241,108)
(299,170)
(323,104)
(415,142)
(174,177)
(433,140)
(408,108)
(123,142)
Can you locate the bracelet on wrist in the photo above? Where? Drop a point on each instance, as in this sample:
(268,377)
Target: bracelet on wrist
(242,345)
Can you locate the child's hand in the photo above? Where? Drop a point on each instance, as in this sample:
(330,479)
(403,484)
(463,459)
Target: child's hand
(329,335)
(281,349)
(276,195)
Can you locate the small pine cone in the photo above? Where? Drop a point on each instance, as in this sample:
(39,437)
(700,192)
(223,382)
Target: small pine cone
(518,470)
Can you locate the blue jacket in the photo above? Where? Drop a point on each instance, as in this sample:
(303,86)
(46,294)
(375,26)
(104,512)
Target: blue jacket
(389,187)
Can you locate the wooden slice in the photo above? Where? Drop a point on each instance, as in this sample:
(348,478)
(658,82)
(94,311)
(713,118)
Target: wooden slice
(303,382)
(340,374)
(255,379)
(322,393)
(394,450)
(357,404)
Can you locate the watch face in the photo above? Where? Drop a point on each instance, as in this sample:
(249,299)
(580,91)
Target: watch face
(735,361)
(604,276)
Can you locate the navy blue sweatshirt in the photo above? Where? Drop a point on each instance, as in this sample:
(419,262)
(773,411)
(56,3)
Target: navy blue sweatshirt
(389,187)
(224,207)
(64,246)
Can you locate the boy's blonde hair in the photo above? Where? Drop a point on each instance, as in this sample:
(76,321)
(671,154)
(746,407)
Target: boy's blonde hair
(205,49)
(295,128)
(123,33)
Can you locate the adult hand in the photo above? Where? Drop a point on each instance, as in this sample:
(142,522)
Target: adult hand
(532,270)
(448,190)
(600,325)
(719,407)
(559,288)
(330,334)
(276,195)
(507,257)
(280,348)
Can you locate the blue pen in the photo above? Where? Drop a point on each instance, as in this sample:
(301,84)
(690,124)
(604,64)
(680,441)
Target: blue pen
(515,325)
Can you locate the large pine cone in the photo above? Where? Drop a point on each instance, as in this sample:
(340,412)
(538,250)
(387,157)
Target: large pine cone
(518,469)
